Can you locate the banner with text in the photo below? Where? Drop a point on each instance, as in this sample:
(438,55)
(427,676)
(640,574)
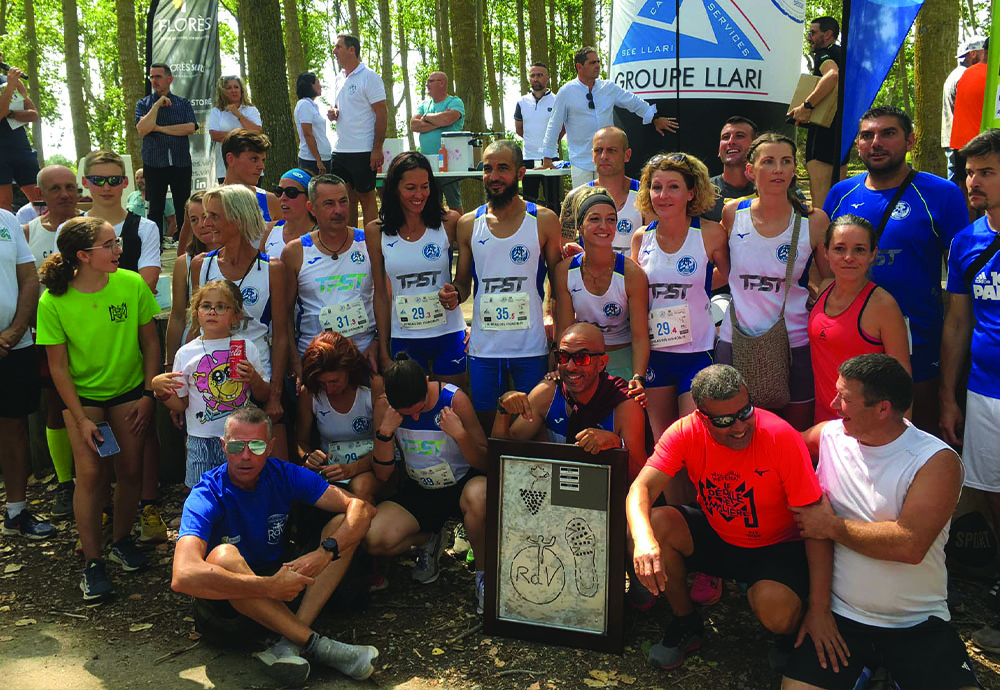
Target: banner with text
(185,35)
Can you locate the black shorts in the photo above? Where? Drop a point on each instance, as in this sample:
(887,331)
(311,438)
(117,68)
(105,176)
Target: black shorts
(431,508)
(20,383)
(126,397)
(355,168)
(784,562)
(219,622)
(928,656)
(821,144)
(20,166)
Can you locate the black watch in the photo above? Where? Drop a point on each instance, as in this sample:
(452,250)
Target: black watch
(640,378)
(330,544)
(146,393)
(808,106)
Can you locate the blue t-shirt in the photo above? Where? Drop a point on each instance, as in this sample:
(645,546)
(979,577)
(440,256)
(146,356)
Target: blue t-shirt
(920,230)
(984,376)
(255,522)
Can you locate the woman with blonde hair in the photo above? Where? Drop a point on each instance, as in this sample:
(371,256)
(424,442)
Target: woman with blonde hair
(232,110)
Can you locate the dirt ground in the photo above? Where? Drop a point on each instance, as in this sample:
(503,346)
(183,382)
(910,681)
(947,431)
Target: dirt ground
(428,636)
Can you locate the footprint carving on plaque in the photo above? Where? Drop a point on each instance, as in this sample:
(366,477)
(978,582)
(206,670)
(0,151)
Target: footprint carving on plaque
(534,498)
(582,544)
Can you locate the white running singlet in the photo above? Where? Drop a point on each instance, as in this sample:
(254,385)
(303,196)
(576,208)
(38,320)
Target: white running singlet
(609,312)
(433,458)
(629,219)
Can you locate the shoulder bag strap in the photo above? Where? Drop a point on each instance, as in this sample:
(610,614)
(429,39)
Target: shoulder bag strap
(880,228)
(983,259)
(793,251)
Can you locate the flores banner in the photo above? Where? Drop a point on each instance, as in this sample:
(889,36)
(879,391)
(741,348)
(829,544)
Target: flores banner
(706,60)
(185,35)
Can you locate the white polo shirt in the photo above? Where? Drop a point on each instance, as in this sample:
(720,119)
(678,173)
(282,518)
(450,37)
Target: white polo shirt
(13,252)
(361,89)
(534,114)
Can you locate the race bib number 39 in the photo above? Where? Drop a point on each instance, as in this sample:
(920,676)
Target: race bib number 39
(433,477)
(670,326)
(348,318)
(417,312)
(505,312)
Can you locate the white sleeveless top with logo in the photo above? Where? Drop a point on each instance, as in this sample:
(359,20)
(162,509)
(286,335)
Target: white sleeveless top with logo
(417,270)
(870,484)
(256,290)
(345,437)
(41,242)
(508,288)
(629,219)
(433,458)
(757,278)
(336,295)
(680,289)
(275,241)
(609,312)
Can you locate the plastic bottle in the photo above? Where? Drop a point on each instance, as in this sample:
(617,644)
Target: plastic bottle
(442,159)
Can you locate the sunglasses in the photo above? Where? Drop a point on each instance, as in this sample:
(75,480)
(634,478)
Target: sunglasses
(724,421)
(101,180)
(110,244)
(581,358)
(290,192)
(669,157)
(236,447)
(590,100)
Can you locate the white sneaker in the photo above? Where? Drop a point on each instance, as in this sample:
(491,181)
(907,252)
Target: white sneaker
(282,663)
(428,559)
(351,660)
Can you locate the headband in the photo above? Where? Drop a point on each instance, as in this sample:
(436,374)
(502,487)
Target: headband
(299,175)
(593,200)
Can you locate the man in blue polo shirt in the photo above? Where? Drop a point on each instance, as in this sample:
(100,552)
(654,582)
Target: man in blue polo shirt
(231,551)
(915,238)
(165,121)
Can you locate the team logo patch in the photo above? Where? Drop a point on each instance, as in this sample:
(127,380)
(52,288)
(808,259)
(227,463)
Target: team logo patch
(519,254)
(624,226)
(612,309)
(783,252)
(276,528)
(357,257)
(686,265)
(361,425)
(432,252)
(250,295)
(901,212)
(5,235)
(437,420)
(650,375)
(352,89)
(118,313)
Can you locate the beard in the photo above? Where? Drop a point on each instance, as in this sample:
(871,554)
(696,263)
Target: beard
(502,198)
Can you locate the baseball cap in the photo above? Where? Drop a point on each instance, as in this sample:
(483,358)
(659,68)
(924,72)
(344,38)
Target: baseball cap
(970,44)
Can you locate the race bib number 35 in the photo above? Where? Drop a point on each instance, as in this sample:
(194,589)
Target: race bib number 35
(417,312)
(348,318)
(505,312)
(670,326)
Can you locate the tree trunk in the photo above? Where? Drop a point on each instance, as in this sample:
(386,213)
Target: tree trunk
(265,49)
(74,78)
(34,89)
(3,17)
(241,32)
(404,48)
(293,46)
(385,24)
(522,53)
(491,76)
(554,84)
(352,10)
(937,40)
(468,83)
(903,82)
(589,29)
(446,62)
(133,85)
(537,34)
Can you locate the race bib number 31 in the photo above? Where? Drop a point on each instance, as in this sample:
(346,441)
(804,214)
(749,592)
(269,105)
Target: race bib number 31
(670,326)
(417,312)
(505,312)
(348,318)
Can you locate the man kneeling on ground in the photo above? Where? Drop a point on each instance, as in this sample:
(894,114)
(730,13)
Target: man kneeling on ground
(748,466)
(890,492)
(231,550)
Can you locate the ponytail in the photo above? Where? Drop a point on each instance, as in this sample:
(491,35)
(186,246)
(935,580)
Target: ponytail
(55,274)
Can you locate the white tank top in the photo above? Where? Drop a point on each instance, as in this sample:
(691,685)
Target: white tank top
(433,458)
(275,241)
(509,285)
(683,278)
(609,311)
(345,438)
(324,282)
(417,270)
(757,278)
(41,242)
(256,290)
(869,484)
(629,219)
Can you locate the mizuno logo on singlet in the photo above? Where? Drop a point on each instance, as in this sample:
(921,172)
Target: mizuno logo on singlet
(761,283)
(391,244)
(347,281)
(422,279)
(669,290)
(483,241)
(858,205)
(558,420)
(493,285)
(576,289)
(324,412)
(741,235)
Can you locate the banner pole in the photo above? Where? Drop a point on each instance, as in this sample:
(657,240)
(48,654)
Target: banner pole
(838,135)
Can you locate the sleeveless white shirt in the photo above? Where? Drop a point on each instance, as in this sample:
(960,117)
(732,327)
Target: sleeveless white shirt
(275,241)
(433,458)
(757,278)
(609,312)
(345,438)
(41,242)
(629,219)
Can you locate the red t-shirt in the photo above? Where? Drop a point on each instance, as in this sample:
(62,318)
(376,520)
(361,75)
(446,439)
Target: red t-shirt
(969,97)
(745,494)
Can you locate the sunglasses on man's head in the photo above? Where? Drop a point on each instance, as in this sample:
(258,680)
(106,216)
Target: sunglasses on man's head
(236,447)
(101,180)
(724,421)
(290,192)
(581,358)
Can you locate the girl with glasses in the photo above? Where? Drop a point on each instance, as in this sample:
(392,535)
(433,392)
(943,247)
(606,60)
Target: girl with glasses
(97,325)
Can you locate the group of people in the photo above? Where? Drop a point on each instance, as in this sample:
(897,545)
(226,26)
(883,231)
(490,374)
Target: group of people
(314,362)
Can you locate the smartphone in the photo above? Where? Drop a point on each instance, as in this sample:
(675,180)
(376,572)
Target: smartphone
(109,446)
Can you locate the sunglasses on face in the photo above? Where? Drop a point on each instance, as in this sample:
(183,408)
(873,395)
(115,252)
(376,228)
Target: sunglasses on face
(581,358)
(101,180)
(724,421)
(590,100)
(236,447)
(290,192)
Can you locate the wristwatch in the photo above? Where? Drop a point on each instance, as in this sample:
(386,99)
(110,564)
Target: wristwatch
(500,408)
(640,378)
(330,545)
(808,106)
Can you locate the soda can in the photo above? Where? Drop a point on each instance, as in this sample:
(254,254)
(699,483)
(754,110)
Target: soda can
(237,353)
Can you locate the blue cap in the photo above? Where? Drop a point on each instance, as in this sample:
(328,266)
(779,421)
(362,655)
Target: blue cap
(299,175)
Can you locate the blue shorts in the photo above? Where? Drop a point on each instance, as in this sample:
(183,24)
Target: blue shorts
(488,377)
(925,361)
(443,355)
(675,369)
(203,454)
(18,165)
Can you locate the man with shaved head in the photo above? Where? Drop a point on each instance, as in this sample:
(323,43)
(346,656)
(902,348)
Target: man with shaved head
(610,153)
(436,114)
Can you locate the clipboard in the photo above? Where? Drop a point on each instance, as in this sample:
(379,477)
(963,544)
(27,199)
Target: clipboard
(825,110)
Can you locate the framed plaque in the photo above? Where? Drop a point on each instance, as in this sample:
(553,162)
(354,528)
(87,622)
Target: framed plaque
(555,554)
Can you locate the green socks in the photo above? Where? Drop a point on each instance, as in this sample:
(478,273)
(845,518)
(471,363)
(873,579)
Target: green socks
(61,453)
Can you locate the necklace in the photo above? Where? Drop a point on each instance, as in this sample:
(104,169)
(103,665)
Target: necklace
(334,254)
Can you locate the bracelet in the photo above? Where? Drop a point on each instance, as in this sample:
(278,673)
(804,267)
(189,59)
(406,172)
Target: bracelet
(384,463)
(146,393)
(379,436)
(164,398)
(640,378)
